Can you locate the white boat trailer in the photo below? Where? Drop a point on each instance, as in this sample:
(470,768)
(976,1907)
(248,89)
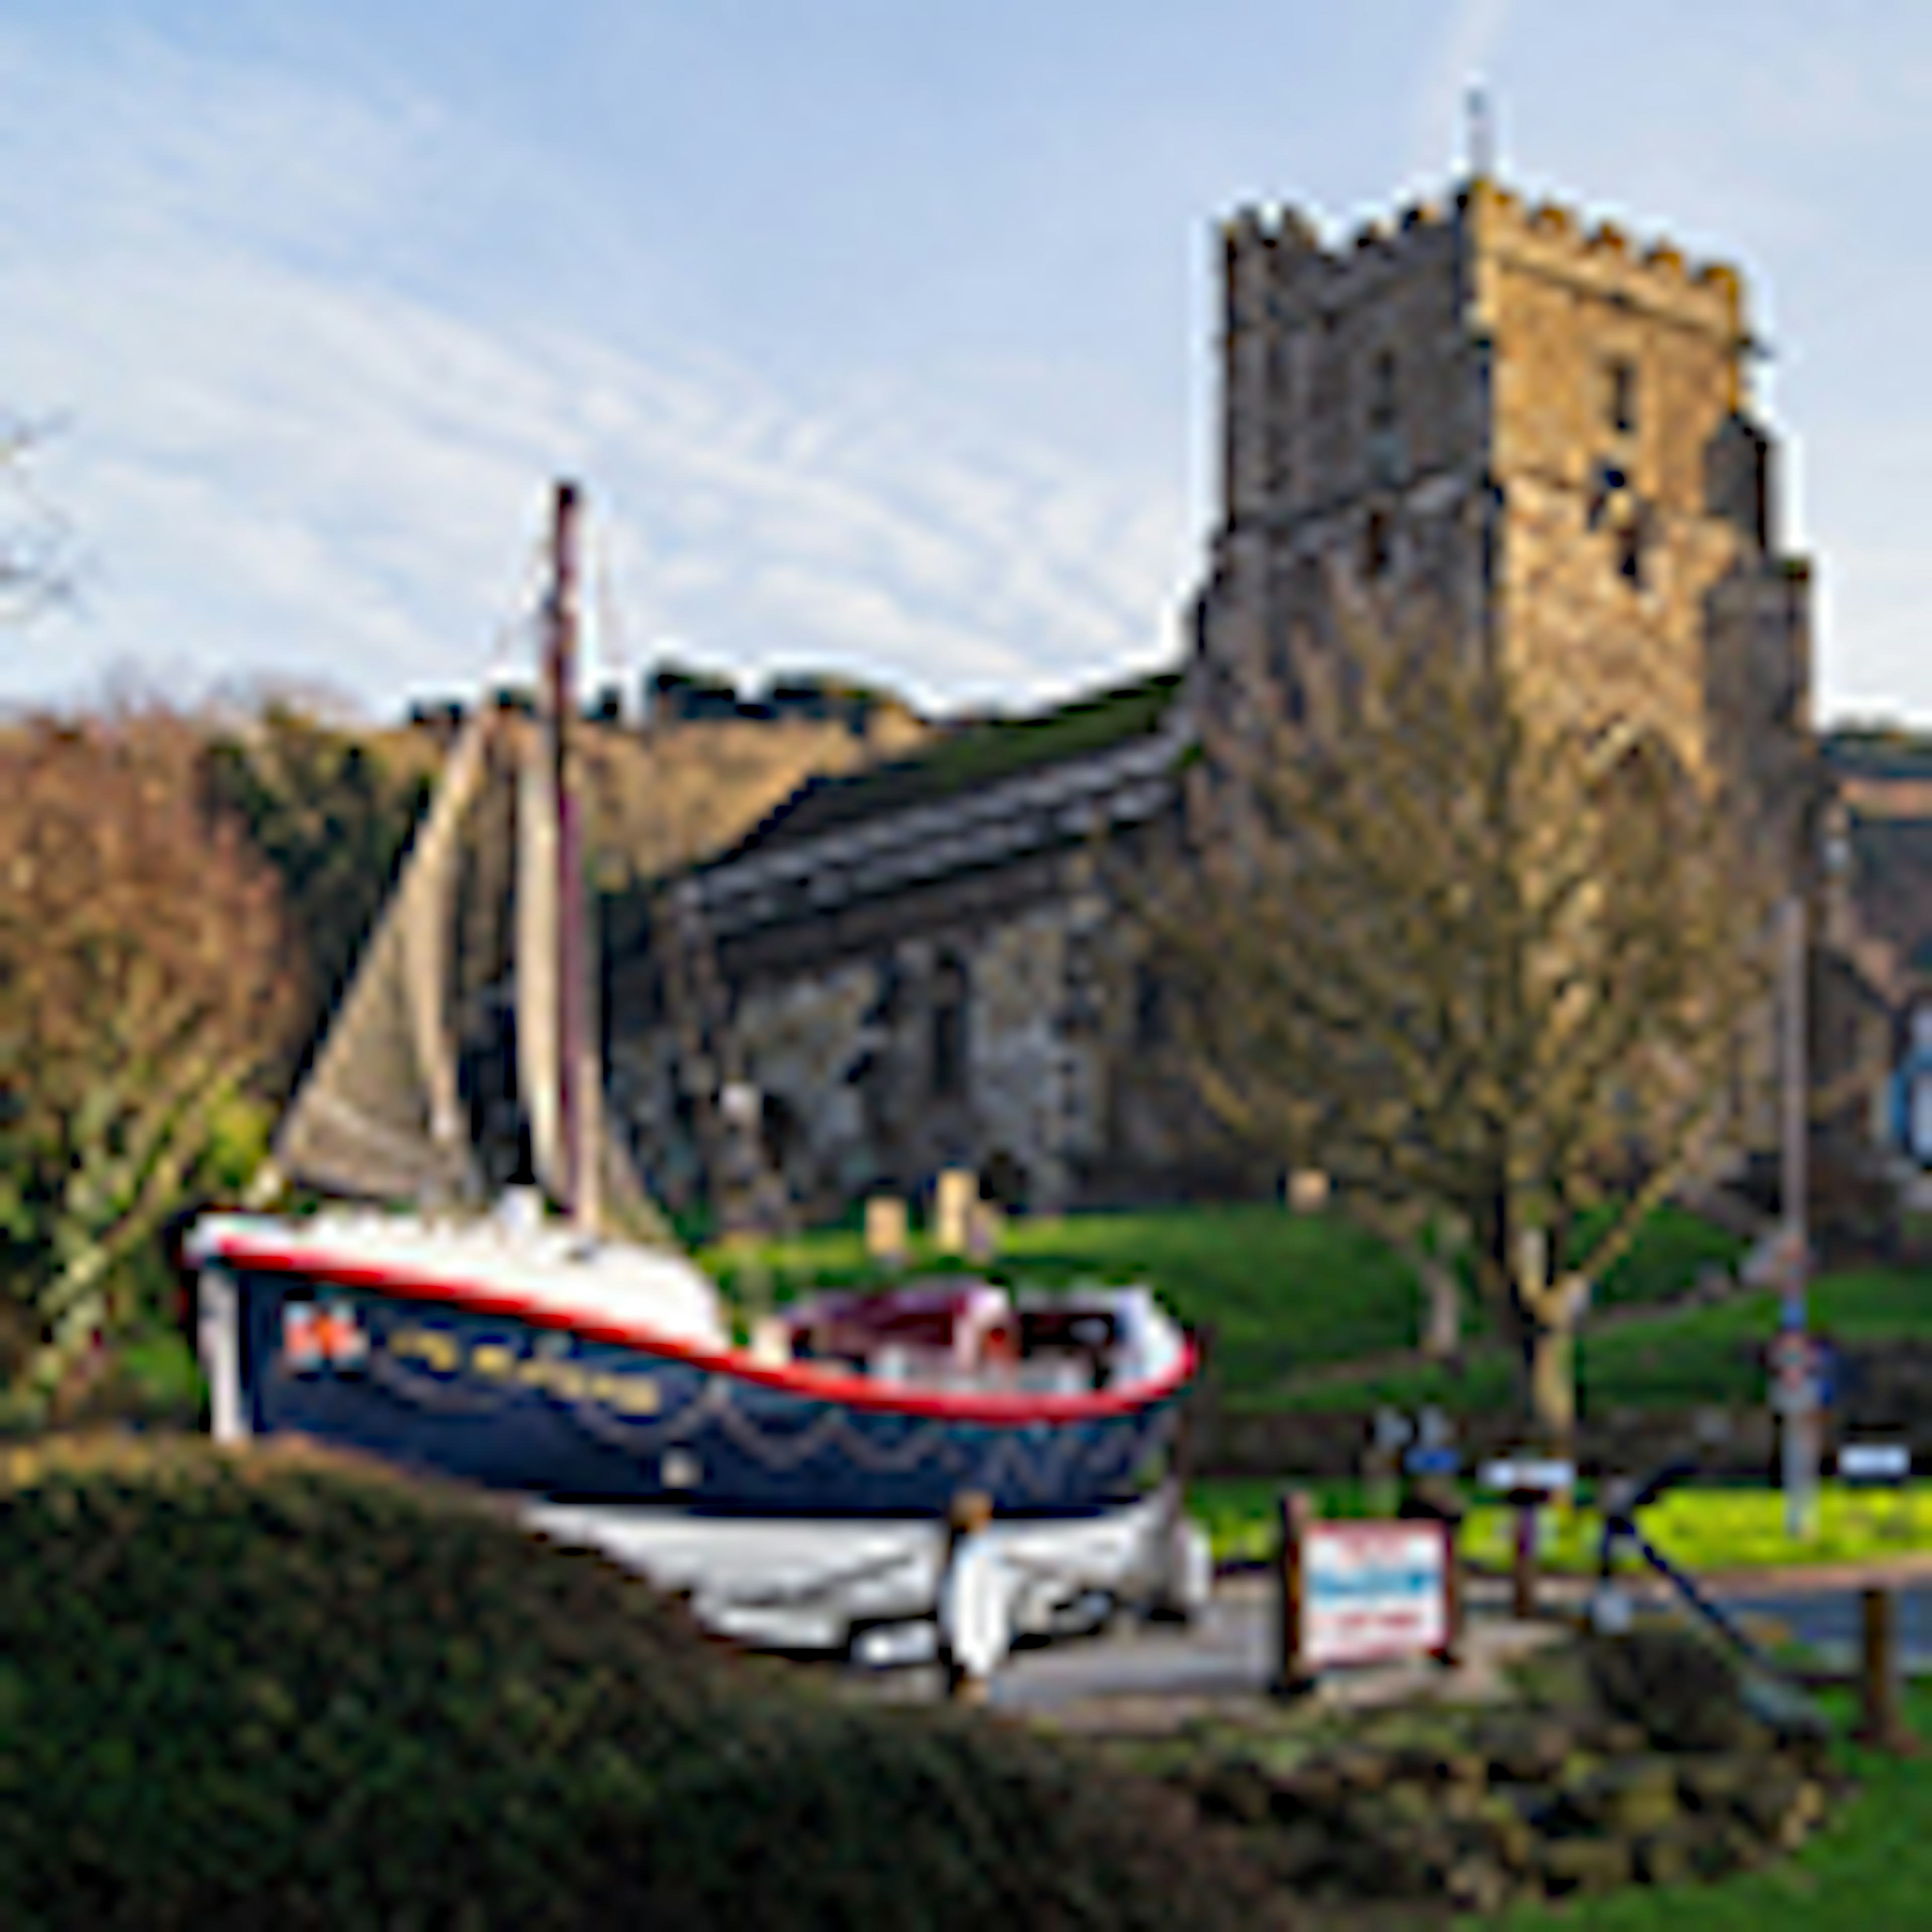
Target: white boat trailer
(878,1591)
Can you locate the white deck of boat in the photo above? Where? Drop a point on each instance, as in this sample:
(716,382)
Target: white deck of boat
(543,1262)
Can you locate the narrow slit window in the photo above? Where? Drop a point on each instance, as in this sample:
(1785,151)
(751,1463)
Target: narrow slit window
(1630,553)
(949,1022)
(1381,393)
(1377,544)
(1622,401)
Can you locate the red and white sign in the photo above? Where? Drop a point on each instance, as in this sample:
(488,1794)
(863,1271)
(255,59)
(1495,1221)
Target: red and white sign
(1372,1590)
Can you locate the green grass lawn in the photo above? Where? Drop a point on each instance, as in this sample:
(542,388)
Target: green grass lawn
(1679,1358)
(1725,1529)
(1870,1867)
(1281,1290)
(1695,1528)
(1284,1293)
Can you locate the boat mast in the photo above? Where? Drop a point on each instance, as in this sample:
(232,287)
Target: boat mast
(578,1083)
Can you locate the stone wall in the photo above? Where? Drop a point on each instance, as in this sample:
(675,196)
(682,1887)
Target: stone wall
(836,948)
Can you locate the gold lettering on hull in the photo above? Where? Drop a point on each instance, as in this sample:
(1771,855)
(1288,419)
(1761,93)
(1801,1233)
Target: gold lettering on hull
(437,1350)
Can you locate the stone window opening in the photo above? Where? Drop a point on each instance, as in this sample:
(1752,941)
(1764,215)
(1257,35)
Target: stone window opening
(1628,539)
(1377,545)
(1621,395)
(949,1022)
(1153,1012)
(1382,393)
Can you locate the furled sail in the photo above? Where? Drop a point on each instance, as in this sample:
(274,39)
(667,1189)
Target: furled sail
(538,1047)
(379,1116)
(623,1207)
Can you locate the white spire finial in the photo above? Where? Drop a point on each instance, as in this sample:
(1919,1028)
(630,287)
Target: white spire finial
(1482,133)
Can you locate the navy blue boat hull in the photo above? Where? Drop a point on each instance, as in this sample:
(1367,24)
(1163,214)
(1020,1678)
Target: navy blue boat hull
(493,1399)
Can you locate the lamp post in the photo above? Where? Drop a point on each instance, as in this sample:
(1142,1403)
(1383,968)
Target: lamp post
(1797,1384)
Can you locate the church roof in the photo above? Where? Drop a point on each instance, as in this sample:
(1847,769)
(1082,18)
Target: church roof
(1877,751)
(963,758)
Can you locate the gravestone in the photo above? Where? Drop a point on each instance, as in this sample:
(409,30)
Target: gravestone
(954,1199)
(1307,1191)
(886,1230)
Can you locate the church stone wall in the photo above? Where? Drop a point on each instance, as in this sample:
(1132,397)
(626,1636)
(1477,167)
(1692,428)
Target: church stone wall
(802,1040)
(849,1049)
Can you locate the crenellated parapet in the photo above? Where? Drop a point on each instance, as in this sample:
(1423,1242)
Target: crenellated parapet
(1599,258)
(1273,252)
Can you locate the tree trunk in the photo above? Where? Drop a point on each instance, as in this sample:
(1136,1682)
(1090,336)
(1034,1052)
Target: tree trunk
(1552,1384)
(1546,1312)
(1442,1329)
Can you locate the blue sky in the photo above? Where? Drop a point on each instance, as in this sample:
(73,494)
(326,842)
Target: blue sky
(880,331)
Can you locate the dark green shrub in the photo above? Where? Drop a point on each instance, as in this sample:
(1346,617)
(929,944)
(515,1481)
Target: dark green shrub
(1682,1689)
(282,1689)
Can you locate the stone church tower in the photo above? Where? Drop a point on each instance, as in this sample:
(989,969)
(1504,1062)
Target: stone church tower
(1545,429)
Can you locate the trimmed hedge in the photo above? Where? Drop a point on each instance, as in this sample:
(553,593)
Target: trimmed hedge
(284,1688)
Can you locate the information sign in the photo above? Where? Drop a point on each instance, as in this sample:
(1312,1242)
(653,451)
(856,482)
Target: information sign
(1393,1429)
(1373,1590)
(1528,1476)
(1874,1461)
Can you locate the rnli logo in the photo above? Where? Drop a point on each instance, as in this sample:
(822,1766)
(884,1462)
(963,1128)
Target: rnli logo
(322,1335)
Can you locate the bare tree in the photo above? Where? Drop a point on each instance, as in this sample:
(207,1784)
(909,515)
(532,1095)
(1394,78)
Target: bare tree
(36,559)
(1483,968)
(141,983)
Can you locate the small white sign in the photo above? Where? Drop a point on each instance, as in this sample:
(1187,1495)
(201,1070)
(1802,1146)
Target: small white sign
(1543,1478)
(892,1646)
(1372,1590)
(1393,1430)
(1874,1461)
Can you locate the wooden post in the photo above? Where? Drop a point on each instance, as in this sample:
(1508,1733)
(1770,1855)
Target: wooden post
(1881,1720)
(579,1055)
(1293,1678)
(971,1511)
(1451,1653)
(1523,1571)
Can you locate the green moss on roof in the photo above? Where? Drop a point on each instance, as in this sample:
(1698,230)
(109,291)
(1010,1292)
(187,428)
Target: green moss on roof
(970,756)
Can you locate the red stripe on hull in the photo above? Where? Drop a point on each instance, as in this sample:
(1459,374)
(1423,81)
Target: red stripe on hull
(1015,1409)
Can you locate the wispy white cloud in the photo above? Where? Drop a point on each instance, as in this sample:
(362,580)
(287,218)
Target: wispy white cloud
(323,339)
(288,455)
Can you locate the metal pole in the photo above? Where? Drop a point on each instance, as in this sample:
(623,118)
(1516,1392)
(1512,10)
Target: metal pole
(1796,1122)
(1799,1458)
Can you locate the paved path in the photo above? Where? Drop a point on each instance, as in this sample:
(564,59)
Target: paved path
(1141,1676)
(1828,1621)
(1819,1606)
(1149,1678)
